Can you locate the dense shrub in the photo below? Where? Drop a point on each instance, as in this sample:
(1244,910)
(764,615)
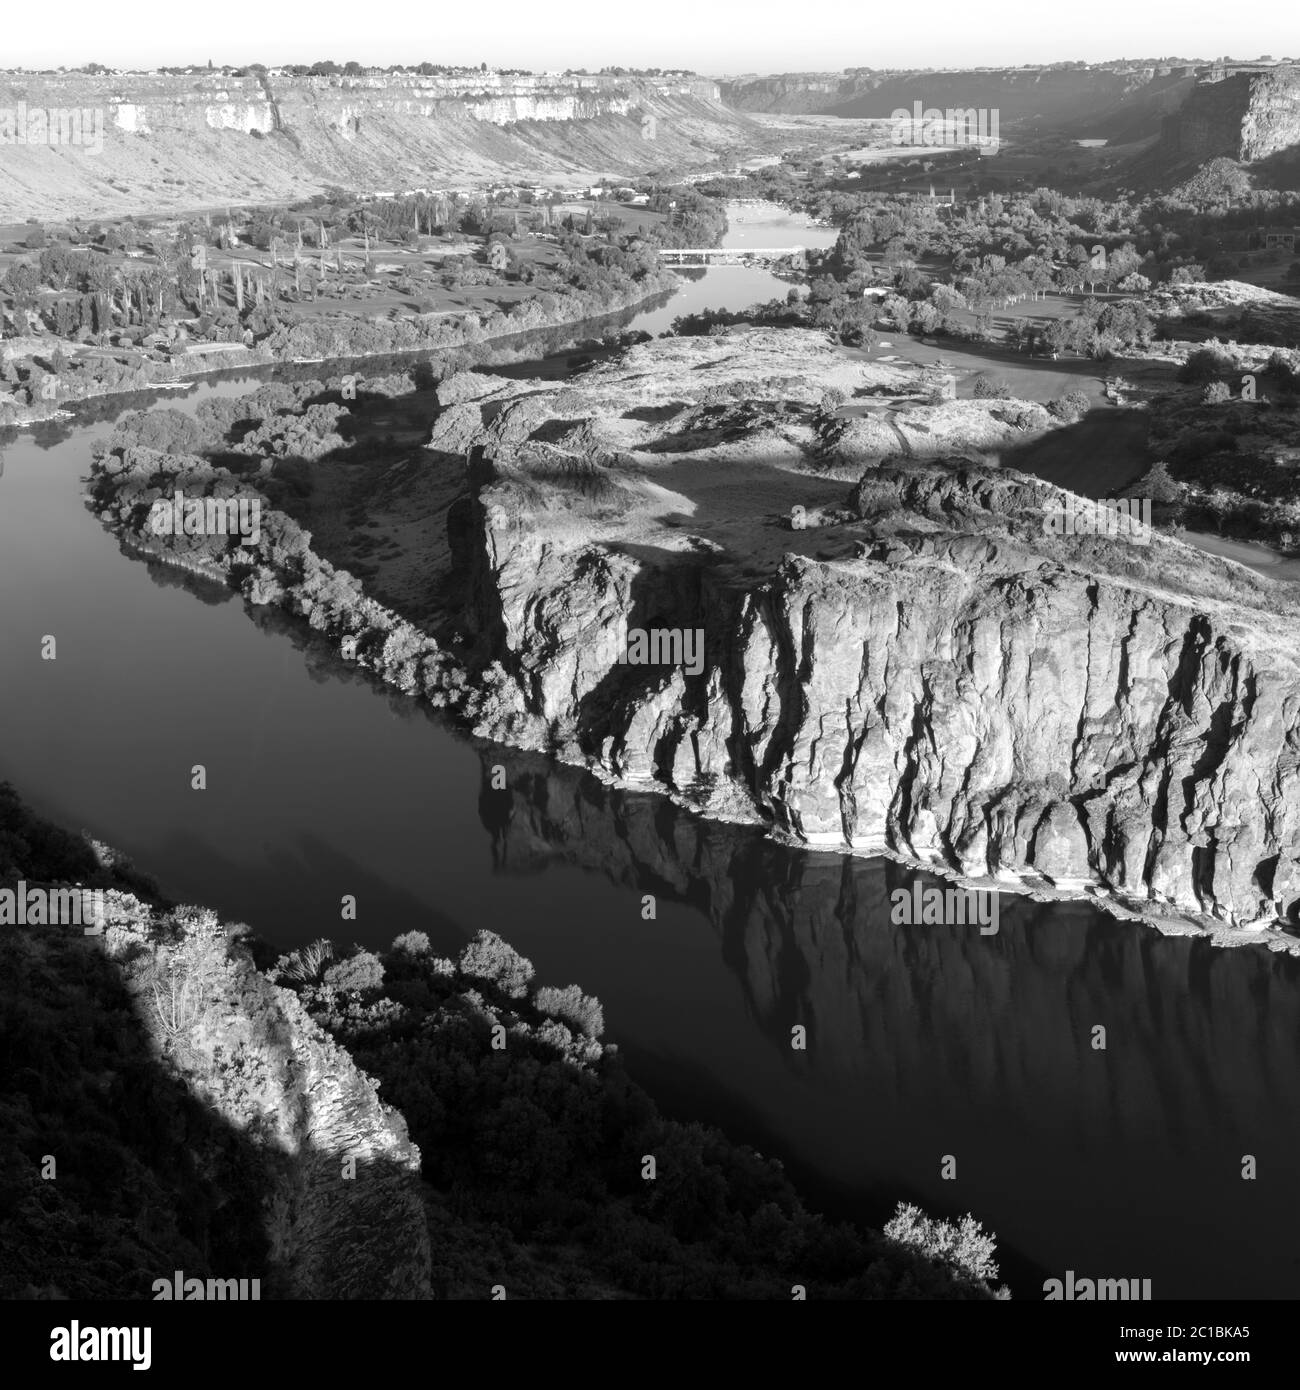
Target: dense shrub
(412,943)
(572,1006)
(532,1134)
(492,960)
(964,1243)
(356,974)
(1203,365)
(304,966)
(1070,406)
(1281,371)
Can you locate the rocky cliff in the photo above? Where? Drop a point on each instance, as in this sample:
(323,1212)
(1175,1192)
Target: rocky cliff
(1246,116)
(1119,103)
(151,141)
(790,92)
(922,670)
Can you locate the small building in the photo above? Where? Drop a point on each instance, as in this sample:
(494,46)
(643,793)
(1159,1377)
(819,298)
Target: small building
(1279,238)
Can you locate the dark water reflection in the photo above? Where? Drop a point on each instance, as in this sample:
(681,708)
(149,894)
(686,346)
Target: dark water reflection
(926,1041)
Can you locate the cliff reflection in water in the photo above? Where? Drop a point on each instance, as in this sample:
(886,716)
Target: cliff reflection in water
(925,1041)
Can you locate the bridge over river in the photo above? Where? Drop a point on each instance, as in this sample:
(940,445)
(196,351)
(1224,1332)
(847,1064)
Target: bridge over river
(731,255)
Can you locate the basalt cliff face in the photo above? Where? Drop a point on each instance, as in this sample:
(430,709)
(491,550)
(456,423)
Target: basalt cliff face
(790,92)
(1120,103)
(151,141)
(923,669)
(1246,116)
(1245,113)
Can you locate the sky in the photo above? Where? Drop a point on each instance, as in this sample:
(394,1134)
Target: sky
(716,37)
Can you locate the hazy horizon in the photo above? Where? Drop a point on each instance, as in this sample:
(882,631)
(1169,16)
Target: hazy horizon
(757,40)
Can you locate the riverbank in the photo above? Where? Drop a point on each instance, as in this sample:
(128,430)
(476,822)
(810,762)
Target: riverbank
(348,340)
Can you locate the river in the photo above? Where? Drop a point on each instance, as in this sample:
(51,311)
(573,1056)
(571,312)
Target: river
(738,286)
(923,1042)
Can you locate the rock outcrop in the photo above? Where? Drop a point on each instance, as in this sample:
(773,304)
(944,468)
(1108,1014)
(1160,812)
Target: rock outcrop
(928,672)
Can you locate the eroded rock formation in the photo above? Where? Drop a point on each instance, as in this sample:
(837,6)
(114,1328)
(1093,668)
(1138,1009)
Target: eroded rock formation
(928,672)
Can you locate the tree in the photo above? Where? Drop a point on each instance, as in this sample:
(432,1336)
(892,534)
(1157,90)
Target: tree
(1190,274)
(946,300)
(1159,486)
(895,311)
(986,387)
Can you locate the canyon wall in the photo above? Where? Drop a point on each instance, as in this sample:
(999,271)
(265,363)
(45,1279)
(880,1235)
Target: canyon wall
(790,93)
(1245,116)
(923,671)
(963,700)
(1119,103)
(155,141)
